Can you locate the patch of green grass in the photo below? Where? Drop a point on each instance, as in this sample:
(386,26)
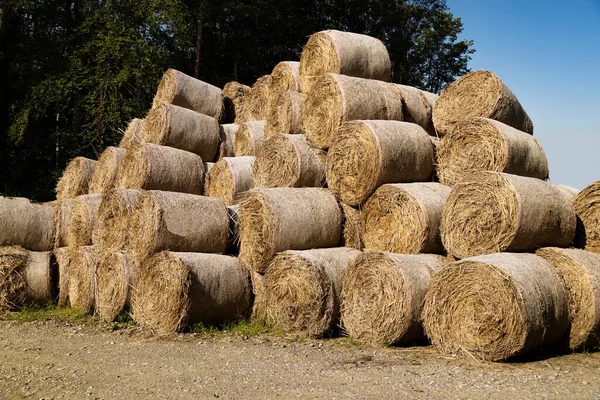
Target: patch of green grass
(241,328)
(49,312)
(123,321)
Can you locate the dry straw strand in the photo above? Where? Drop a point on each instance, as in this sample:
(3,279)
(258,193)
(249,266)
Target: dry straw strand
(230,178)
(249,138)
(133,134)
(285,114)
(111,232)
(25,224)
(115,278)
(107,169)
(352,227)
(75,178)
(256,101)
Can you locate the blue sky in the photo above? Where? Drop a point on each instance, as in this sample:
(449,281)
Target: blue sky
(548,54)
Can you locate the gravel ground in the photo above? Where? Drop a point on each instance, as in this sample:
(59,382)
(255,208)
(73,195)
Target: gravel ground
(57,360)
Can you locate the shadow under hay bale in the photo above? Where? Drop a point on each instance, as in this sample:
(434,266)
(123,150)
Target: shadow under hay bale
(75,178)
(25,224)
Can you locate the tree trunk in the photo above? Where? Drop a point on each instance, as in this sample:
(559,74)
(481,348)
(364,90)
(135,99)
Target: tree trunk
(199,37)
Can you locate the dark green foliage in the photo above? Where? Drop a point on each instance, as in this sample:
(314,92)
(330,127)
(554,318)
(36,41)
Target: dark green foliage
(74,72)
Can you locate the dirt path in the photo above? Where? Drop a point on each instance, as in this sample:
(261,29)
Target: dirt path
(53,360)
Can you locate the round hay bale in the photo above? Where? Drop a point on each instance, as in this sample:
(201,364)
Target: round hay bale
(479,94)
(496,306)
(493,212)
(82,221)
(175,290)
(105,174)
(285,77)
(482,144)
(155,167)
(249,138)
(344,53)
(111,231)
(62,212)
(288,161)
(382,297)
(177,222)
(302,289)
(183,129)
(587,206)
(405,218)
(133,134)
(230,178)
(228,133)
(25,224)
(279,219)
(338,98)
(256,101)
(25,278)
(569,192)
(352,227)
(285,114)
(233,93)
(63,260)
(368,154)
(259,307)
(75,178)
(579,271)
(82,279)
(417,107)
(233,243)
(184,91)
(115,277)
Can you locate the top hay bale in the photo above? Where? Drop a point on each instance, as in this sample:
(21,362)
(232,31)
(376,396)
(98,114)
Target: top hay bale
(587,207)
(182,90)
(75,178)
(479,94)
(285,76)
(344,53)
(256,101)
(132,135)
(25,224)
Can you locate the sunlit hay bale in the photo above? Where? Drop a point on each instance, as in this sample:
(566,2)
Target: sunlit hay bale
(75,178)
(479,94)
(493,212)
(115,278)
(228,133)
(382,297)
(182,90)
(25,278)
(284,77)
(587,206)
(249,138)
(83,218)
(285,114)
(233,93)
(279,219)
(368,154)
(63,256)
(353,231)
(178,222)
(288,161)
(344,53)
(107,169)
(111,231)
(302,289)
(482,144)
(133,134)
(155,167)
(22,223)
(256,101)
(229,178)
(82,278)
(176,290)
(496,306)
(418,107)
(339,98)
(405,218)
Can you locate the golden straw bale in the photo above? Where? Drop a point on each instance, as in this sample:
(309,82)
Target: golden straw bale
(229,178)
(63,256)
(249,138)
(133,134)
(107,169)
(115,277)
(82,278)
(285,114)
(111,231)
(587,206)
(22,223)
(352,227)
(75,178)
(228,133)
(83,218)
(234,93)
(418,107)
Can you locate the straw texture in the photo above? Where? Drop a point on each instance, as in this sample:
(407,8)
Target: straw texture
(417,107)
(82,221)
(107,169)
(587,206)
(133,134)
(285,114)
(227,133)
(75,178)
(115,278)
(111,231)
(353,231)
(82,279)
(63,256)
(234,93)
(230,178)
(25,224)
(249,138)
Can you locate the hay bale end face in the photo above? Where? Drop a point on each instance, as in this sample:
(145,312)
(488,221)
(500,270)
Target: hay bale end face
(285,114)
(288,161)
(343,53)
(184,129)
(62,256)
(405,218)
(82,279)
(115,278)
(482,144)
(25,224)
(155,167)
(479,94)
(234,93)
(418,107)
(302,289)
(25,278)
(178,222)
(175,290)
(229,178)
(383,294)
(368,154)
(228,133)
(587,206)
(279,219)
(256,101)
(339,98)
(249,138)
(83,218)
(111,232)
(107,169)
(75,178)
(495,212)
(184,91)
(496,306)
(133,134)
(352,227)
